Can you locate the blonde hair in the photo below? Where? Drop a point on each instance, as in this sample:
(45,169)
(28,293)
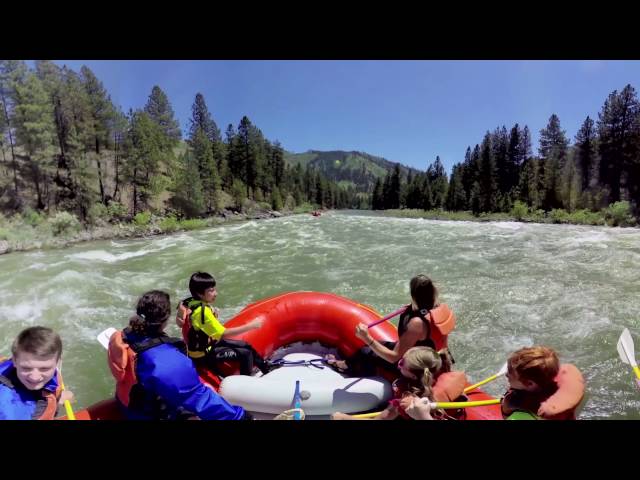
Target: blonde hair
(427,365)
(536,364)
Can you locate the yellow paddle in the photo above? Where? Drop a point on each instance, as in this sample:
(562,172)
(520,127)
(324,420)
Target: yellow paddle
(433,405)
(67,404)
(500,373)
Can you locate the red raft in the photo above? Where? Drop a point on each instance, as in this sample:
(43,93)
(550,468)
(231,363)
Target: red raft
(305,317)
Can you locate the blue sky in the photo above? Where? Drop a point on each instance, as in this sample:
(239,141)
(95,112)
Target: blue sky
(405,111)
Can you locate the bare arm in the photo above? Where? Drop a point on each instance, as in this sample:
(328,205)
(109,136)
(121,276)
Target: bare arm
(415,331)
(229,332)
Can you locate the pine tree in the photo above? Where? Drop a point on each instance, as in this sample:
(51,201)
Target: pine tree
(426,195)
(102,112)
(528,183)
(377,200)
(437,178)
(515,159)
(500,148)
(571,182)
(553,153)
(207,168)
(488,182)
(120,125)
(159,110)
(618,145)
(586,151)
(144,145)
(201,119)
(35,131)
(12,72)
(393,200)
(188,195)
(277,158)
(456,198)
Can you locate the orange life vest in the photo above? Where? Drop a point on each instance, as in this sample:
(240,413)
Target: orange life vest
(560,404)
(440,323)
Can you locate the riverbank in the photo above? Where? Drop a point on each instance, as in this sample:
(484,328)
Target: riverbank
(616,215)
(35,231)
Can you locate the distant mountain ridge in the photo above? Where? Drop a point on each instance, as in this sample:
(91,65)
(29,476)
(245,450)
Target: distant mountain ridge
(358,169)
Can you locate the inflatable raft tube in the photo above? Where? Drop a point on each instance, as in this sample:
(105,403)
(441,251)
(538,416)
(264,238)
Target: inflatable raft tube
(323,390)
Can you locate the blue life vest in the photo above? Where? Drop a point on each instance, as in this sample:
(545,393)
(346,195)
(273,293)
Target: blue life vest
(19,403)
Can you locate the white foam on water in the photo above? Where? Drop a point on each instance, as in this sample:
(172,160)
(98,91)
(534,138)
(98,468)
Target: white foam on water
(507,225)
(38,266)
(104,256)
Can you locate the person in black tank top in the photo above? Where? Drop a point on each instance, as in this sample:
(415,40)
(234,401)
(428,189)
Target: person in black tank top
(413,330)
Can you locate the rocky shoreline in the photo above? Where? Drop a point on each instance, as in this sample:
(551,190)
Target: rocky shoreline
(128,230)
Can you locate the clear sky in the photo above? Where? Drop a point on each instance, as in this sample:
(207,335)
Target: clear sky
(405,111)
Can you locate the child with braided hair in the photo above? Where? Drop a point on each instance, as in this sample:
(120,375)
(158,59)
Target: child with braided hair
(425,374)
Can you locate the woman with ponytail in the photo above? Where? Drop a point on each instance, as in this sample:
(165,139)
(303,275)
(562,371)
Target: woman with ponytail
(421,369)
(419,326)
(155,380)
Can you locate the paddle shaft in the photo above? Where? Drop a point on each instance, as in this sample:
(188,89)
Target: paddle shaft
(67,404)
(388,317)
(476,403)
(476,385)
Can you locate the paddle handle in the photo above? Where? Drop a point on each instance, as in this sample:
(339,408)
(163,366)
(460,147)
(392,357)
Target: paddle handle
(476,385)
(388,317)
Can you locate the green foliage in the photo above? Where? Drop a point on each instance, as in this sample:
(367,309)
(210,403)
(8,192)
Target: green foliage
(142,219)
(169,224)
(238,190)
(193,224)
(559,215)
(305,207)
(4,234)
(276,199)
(64,223)
(587,217)
(98,213)
(33,218)
(619,214)
(519,210)
(117,211)
(538,216)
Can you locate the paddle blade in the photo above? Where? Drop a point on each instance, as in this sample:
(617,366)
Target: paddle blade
(104,336)
(503,370)
(625,348)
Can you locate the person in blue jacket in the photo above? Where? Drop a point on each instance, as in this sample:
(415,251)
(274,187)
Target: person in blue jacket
(30,387)
(155,380)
